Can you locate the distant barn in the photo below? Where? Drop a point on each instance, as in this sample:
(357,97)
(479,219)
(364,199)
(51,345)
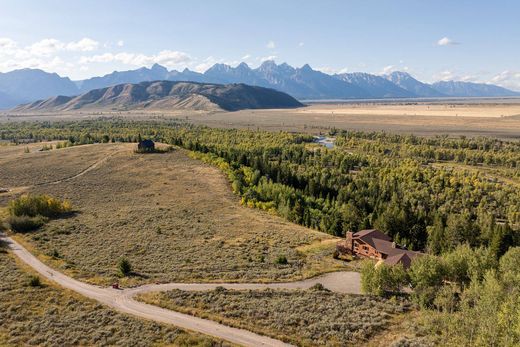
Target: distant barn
(146,146)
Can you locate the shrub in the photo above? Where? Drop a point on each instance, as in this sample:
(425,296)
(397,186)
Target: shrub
(55,254)
(34,205)
(382,279)
(23,224)
(282,260)
(319,288)
(124,267)
(34,281)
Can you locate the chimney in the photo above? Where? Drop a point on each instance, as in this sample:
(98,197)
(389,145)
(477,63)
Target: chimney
(394,245)
(349,240)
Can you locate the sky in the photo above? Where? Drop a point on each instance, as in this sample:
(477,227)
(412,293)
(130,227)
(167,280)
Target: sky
(476,41)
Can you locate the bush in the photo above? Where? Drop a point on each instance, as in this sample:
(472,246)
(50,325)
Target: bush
(318,287)
(23,224)
(382,279)
(34,281)
(124,266)
(282,260)
(33,206)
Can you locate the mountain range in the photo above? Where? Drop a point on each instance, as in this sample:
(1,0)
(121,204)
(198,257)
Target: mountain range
(304,83)
(167,95)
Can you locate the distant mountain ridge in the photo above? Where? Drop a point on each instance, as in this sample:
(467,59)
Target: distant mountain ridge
(405,81)
(166,95)
(469,89)
(305,83)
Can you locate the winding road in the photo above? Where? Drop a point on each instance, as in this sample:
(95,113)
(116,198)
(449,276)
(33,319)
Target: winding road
(122,300)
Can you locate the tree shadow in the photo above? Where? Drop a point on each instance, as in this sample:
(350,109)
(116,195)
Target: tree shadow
(139,275)
(67,215)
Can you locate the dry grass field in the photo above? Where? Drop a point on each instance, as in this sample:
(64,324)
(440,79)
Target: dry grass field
(479,120)
(310,317)
(50,316)
(470,117)
(39,167)
(173,217)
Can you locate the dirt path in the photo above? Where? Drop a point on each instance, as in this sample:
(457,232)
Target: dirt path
(122,300)
(15,190)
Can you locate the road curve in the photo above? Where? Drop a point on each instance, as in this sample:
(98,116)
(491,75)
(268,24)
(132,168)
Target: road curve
(124,303)
(122,300)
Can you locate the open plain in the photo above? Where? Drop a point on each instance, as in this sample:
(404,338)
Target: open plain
(469,117)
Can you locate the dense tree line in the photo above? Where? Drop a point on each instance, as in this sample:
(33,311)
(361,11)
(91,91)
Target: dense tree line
(368,180)
(467,297)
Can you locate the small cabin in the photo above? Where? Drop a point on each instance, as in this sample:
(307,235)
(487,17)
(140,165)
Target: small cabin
(146,146)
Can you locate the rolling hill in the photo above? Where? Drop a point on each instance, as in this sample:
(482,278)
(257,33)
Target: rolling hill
(168,95)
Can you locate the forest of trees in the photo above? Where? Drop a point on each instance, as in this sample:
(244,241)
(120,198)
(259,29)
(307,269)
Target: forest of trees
(401,184)
(458,199)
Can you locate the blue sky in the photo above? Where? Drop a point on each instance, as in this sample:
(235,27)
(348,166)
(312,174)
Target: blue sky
(465,40)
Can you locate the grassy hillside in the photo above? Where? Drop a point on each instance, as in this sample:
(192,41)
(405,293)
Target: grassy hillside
(173,217)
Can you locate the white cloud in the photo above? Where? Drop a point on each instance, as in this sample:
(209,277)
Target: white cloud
(446,41)
(247,56)
(83,45)
(446,75)
(120,43)
(331,70)
(271,57)
(99,58)
(7,43)
(507,79)
(46,47)
(388,69)
(301,44)
(271,45)
(170,59)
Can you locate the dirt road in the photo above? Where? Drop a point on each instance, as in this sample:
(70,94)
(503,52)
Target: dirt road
(122,300)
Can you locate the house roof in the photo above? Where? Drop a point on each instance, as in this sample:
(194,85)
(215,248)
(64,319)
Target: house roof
(369,235)
(384,245)
(403,258)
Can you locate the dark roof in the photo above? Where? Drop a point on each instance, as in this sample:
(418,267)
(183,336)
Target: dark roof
(399,259)
(369,235)
(146,143)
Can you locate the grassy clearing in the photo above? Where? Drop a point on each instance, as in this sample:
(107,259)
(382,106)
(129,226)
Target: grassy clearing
(49,316)
(305,317)
(318,259)
(172,217)
(24,169)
